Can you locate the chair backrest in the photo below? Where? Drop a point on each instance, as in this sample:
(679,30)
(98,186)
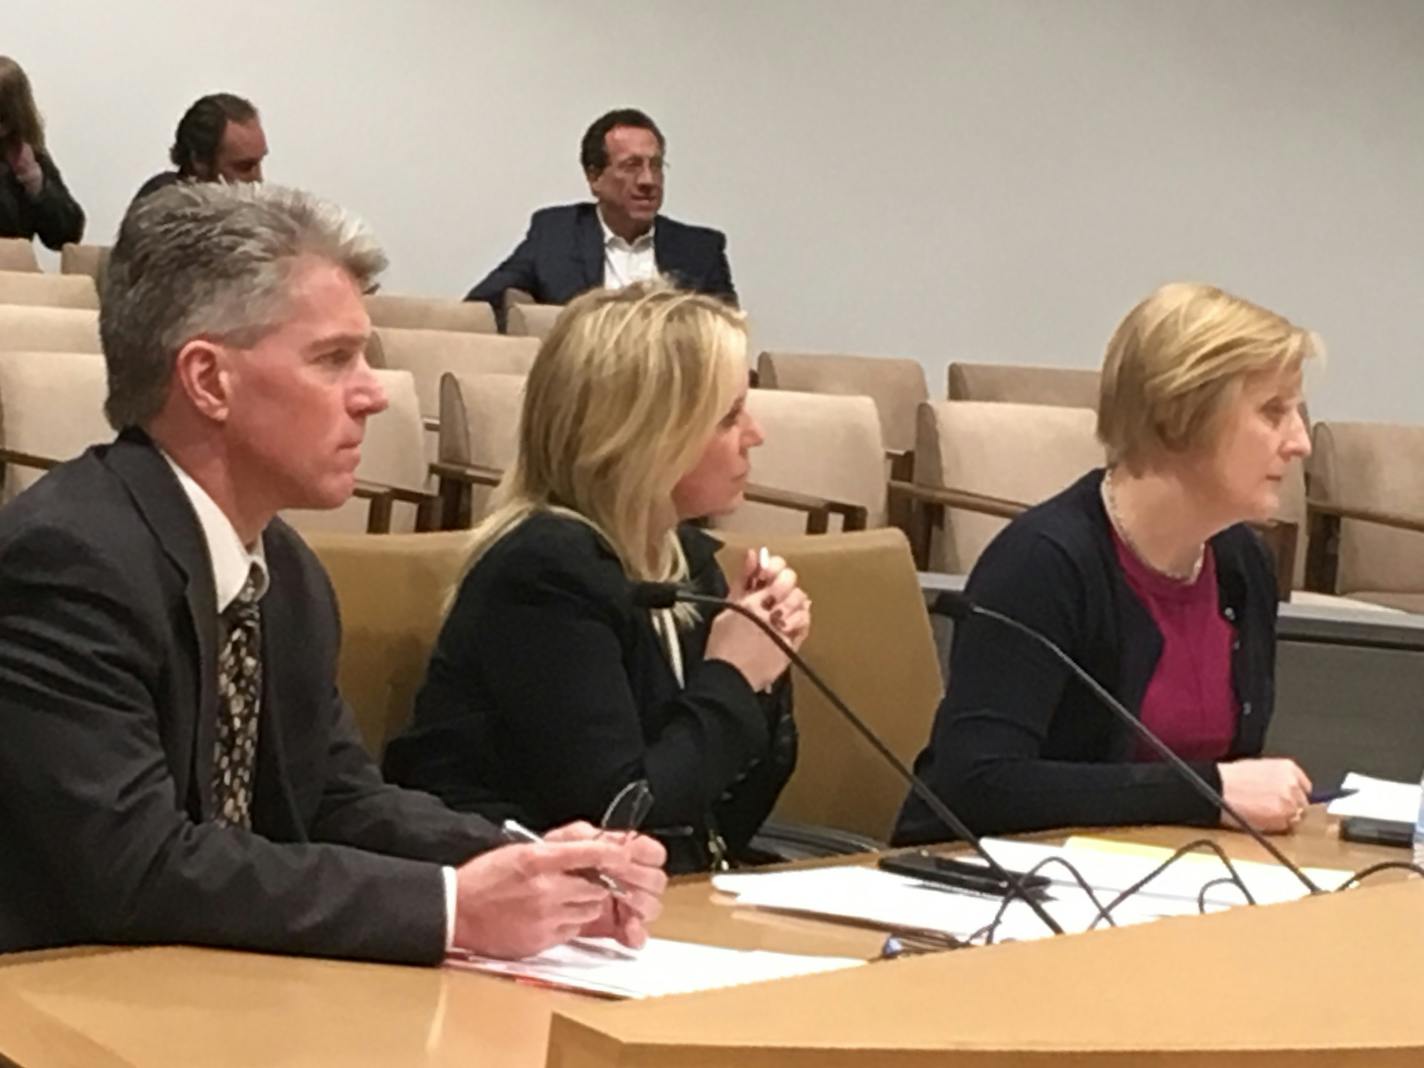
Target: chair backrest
(430,313)
(51,406)
(392,592)
(429,354)
(35,328)
(1063,387)
(48,290)
(896,385)
(532,320)
(819,444)
(479,424)
(18,254)
(870,638)
(1378,466)
(392,454)
(1020,452)
(92,260)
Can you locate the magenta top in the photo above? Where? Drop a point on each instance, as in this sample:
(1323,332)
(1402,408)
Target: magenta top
(1190,701)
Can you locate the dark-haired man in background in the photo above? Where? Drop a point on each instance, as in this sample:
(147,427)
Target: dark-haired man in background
(620,238)
(219,139)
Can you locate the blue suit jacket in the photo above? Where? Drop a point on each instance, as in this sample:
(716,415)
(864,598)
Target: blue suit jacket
(562,256)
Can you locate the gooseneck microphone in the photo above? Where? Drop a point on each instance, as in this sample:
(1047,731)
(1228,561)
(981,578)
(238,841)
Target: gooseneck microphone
(959,606)
(666,594)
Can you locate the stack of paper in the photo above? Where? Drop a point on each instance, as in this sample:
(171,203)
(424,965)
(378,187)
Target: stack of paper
(602,966)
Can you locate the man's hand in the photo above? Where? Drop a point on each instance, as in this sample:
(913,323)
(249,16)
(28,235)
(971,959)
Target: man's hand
(521,899)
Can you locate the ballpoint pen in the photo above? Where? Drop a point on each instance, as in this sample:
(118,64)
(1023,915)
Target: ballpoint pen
(514,831)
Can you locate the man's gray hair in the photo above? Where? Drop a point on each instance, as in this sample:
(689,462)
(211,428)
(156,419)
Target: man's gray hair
(206,259)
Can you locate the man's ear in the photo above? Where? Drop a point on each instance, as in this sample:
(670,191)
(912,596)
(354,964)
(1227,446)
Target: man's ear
(202,370)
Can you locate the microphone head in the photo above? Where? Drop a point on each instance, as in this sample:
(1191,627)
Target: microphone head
(655,594)
(953,604)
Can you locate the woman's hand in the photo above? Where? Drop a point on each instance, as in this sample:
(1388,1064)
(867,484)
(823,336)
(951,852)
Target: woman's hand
(21,158)
(769,589)
(1271,793)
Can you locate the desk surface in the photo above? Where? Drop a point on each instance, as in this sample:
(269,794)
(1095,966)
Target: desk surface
(178,1006)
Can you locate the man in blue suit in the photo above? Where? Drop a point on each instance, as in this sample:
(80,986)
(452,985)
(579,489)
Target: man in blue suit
(620,238)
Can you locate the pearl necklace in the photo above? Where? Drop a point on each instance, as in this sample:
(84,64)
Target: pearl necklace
(1110,506)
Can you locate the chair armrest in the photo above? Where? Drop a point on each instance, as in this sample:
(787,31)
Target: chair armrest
(802,841)
(1280,536)
(1322,555)
(26,459)
(378,519)
(926,510)
(454,482)
(902,464)
(818,509)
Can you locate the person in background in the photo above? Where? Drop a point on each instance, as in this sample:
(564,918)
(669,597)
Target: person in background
(178,764)
(1148,575)
(219,139)
(550,690)
(33,199)
(618,239)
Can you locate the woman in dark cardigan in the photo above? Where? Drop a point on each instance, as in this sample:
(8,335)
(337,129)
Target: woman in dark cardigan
(33,199)
(1147,576)
(550,690)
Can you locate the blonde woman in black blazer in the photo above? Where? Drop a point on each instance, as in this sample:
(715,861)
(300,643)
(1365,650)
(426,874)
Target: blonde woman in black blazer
(549,690)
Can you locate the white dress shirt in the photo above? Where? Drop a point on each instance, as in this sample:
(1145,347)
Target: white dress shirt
(627,262)
(232,563)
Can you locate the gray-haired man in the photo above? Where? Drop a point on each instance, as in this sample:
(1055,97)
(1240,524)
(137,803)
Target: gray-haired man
(178,766)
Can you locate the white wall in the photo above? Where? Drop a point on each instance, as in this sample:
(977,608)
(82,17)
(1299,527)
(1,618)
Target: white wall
(973,179)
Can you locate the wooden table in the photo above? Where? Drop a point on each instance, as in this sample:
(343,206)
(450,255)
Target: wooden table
(1148,986)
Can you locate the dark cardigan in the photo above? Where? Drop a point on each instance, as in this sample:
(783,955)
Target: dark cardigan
(1017,744)
(52,214)
(548,691)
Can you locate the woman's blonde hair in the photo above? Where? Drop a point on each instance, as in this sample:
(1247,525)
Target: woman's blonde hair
(1178,360)
(622,399)
(17,107)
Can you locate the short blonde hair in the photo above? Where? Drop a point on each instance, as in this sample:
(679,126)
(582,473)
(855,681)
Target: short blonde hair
(1178,360)
(625,393)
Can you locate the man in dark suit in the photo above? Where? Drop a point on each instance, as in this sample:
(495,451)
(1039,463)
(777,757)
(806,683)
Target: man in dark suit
(178,765)
(620,238)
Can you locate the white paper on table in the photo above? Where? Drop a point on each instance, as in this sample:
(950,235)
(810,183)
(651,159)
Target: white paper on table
(1378,799)
(662,966)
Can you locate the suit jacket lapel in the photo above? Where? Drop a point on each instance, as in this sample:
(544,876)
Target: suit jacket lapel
(589,249)
(165,508)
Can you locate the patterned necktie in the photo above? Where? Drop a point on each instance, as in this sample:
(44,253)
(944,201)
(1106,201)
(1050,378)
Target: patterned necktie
(240,699)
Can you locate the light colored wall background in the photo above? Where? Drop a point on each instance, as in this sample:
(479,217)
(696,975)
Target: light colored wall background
(973,179)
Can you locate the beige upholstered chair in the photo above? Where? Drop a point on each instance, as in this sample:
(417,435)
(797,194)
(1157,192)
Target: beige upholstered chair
(1020,384)
(48,290)
(1017,454)
(92,260)
(18,254)
(1366,513)
(897,386)
(51,410)
(429,313)
(532,320)
(871,640)
(393,479)
(479,440)
(429,354)
(392,592)
(34,328)
(822,452)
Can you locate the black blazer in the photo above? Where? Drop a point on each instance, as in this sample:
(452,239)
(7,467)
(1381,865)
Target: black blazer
(1017,744)
(108,697)
(549,691)
(54,216)
(562,256)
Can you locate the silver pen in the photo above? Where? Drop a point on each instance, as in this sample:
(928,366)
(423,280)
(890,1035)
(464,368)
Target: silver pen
(514,831)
